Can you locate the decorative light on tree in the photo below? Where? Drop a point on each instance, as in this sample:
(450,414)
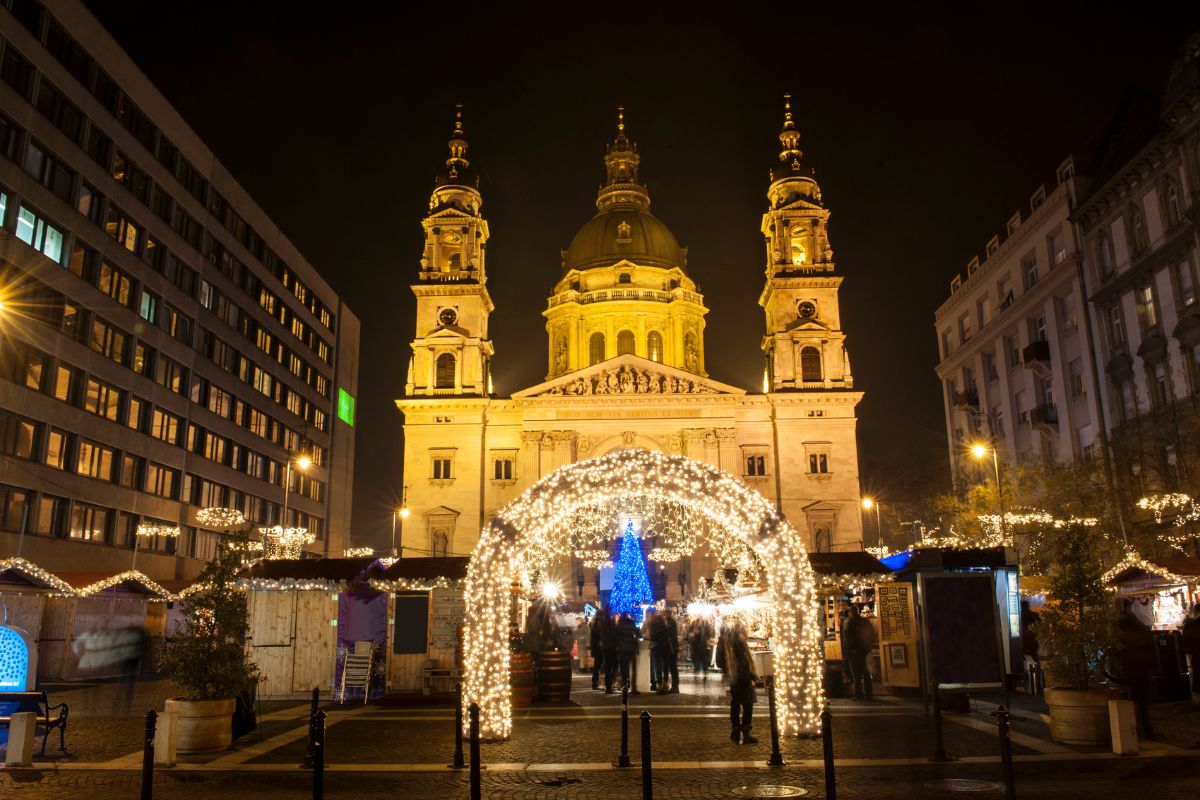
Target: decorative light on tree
(631,588)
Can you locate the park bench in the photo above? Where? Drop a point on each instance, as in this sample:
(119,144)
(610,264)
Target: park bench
(38,703)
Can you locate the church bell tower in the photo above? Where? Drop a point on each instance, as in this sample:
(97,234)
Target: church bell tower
(451,351)
(804,344)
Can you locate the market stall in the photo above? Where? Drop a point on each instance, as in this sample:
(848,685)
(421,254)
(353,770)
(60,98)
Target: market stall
(25,589)
(850,579)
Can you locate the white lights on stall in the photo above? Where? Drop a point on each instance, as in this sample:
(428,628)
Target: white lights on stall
(691,506)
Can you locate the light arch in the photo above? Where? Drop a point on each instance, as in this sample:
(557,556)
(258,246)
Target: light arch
(530,529)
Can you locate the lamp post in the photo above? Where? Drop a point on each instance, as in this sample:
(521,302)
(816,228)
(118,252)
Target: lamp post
(868,503)
(979,451)
(302,463)
(402,513)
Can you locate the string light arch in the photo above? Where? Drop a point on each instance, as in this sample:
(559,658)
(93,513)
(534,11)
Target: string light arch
(535,528)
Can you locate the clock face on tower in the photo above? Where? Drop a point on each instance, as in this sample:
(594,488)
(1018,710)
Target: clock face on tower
(448,316)
(806,309)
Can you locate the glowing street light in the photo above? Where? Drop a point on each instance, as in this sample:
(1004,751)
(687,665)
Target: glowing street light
(551,591)
(402,513)
(868,503)
(979,451)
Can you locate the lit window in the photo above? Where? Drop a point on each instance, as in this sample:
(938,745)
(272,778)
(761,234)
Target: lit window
(624,342)
(810,364)
(596,348)
(444,377)
(654,346)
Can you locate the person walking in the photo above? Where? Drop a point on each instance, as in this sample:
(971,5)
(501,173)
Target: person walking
(666,649)
(733,657)
(701,634)
(1191,644)
(1135,660)
(651,630)
(627,649)
(858,639)
(608,637)
(596,641)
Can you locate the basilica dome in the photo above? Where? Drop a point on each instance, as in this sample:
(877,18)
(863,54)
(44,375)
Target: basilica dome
(624,232)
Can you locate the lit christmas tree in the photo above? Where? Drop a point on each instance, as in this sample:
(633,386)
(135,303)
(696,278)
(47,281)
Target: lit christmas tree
(631,586)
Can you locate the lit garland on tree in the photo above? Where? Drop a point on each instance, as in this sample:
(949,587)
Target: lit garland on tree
(631,588)
(1177,508)
(553,518)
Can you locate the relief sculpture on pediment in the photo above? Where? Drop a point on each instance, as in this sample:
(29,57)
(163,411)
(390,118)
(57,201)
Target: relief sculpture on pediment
(629,380)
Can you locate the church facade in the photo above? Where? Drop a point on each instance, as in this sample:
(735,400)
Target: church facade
(626,363)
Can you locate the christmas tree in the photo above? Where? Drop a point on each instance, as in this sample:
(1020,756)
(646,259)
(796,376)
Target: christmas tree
(631,586)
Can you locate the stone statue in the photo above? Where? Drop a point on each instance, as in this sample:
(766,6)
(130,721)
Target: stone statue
(626,381)
(611,383)
(643,383)
(560,356)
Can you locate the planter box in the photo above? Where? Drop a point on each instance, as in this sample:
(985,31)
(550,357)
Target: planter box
(1079,716)
(205,726)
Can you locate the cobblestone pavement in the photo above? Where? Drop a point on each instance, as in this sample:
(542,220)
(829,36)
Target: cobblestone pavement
(562,752)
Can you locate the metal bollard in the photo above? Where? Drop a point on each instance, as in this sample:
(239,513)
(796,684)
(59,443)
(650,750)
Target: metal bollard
(827,750)
(623,759)
(476,785)
(307,763)
(1003,723)
(459,761)
(939,746)
(147,757)
(776,758)
(647,789)
(319,757)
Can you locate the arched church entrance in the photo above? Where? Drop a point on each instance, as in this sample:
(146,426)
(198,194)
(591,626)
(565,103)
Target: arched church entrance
(569,510)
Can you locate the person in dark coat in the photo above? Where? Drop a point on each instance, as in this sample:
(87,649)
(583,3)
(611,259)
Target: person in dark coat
(666,650)
(1136,662)
(698,644)
(858,639)
(608,637)
(652,630)
(596,643)
(733,657)
(627,649)
(1191,644)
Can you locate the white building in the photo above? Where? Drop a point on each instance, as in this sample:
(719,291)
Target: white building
(625,365)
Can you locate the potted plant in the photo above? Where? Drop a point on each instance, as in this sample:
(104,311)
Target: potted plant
(207,658)
(1074,631)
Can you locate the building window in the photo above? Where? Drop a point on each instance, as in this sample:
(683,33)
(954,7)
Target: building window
(1128,400)
(1185,284)
(818,463)
(1040,331)
(1137,232)
(624,342)
(56,448)
(160,480)
(442,468)
(1171,210)
(444,371)
(624,277)
(756,465)
(1058,250)
(654,346)
(1146,312)
(89,523)
(1160,385)
(810,364)
(1104,251)
(102,399)
(95,461)
(596,348)
(1076,368)
(40,234)
(18,436)
(1029,271)
(502,469)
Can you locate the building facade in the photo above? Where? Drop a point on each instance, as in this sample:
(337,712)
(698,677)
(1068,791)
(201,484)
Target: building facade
(1079,335)
(163,346)
(626,363)
(1015,357)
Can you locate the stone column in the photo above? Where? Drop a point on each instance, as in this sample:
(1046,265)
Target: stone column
(530,447)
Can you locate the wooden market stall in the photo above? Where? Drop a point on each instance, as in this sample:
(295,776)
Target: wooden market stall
(858,578)
(1165,588)
(292,605)
(426,609)
(105,629)
(25,589)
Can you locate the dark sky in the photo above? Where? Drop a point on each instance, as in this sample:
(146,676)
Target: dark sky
(926,130)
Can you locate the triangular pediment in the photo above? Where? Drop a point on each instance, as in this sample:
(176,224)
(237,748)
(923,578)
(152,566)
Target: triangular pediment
(820,505)
(626,375)
(442,511)
(809,324)
(448,332)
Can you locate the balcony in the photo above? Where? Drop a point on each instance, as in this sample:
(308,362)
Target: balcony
(1036,353)
(967,399)
(1044,416)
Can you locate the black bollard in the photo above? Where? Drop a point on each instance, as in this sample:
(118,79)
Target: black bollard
(307,763)
(459,761)
(827,751)
(1003,723)
(148,757)
(476,785)
(647,789)
(776,759)
(939,746)
(319,757)
(623,759)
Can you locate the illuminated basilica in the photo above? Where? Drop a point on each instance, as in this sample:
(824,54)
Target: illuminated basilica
(625,362)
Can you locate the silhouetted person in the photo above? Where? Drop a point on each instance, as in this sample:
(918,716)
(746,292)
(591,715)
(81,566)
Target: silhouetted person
(701,632)
(666,648)
(627,648)
(608,635)
(858,639)
(596,640)
(733,656)
(1191,644)
(1135,661)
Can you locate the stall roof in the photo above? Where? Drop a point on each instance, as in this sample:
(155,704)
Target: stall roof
(1180,569)
(952,558)
(18,572)
(452,568)
(130,581)
(849,563)
(321,569)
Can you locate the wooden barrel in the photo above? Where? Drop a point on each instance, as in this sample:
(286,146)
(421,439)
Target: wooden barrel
(520,679)
(204,726)
(554,676)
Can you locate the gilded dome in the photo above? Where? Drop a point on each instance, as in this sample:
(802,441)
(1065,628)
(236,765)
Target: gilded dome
(624,232)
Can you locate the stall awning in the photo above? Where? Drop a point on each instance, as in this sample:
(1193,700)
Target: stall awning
(88,584)
(19,574)
(1154,571)
(323,574)
(421,574)
(848,568)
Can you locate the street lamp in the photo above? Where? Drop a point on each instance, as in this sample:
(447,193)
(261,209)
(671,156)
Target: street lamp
(867,504)
(302,463)
(402,513)
(979,451)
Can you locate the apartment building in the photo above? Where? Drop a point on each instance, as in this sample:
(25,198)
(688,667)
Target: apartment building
(1014,352)
(163,346)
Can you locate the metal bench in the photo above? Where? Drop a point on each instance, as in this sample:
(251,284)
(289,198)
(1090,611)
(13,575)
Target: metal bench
(39,704)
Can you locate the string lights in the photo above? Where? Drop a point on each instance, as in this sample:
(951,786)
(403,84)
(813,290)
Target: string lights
(1180,509)
(220,518)
(358,552)
(280,542)
(1133,561)
(132,576)
(167,531)
(690,504)
(36,574)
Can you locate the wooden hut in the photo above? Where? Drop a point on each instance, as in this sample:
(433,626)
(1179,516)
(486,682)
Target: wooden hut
(426,608)
(105,629)
(25,589)
(293,615)
(1164,589)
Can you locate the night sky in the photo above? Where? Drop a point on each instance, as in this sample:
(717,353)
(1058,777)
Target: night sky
(927,131)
